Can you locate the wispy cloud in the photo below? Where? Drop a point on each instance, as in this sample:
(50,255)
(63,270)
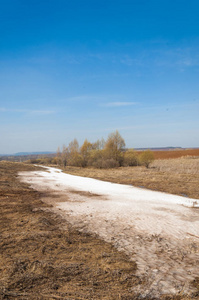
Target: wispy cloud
(130,61)
(104,100)
(29,111)
(42,112)
(118,104)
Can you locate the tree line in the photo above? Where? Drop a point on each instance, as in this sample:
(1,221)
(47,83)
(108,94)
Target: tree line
(102,154)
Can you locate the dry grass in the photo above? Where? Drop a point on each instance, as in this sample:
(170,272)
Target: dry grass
(176,176)
(42,257)
(183,165)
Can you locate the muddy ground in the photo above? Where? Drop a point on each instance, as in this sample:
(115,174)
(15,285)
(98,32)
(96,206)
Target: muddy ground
(43,257)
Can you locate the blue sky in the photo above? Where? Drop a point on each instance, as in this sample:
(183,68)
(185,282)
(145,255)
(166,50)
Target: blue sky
(82,69)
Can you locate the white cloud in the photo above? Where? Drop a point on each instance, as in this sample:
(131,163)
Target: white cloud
(29,111)
(42,112)
(104,100)
(119,104)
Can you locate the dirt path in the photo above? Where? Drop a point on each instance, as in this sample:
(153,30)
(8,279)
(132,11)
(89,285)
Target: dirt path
(159,231)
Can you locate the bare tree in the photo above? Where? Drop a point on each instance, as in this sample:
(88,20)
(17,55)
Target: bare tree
(114,146)
(64,155)
(74,157)
(85,151)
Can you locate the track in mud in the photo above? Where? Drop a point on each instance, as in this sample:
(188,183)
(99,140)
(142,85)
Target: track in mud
(162,237)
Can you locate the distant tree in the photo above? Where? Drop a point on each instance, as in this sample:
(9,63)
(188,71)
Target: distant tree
(100,154)
(85,151)
(64,155)
(146,158)
(58,152)
(114,146)
(74,157)
(73,146)
(58,156)
(99,144)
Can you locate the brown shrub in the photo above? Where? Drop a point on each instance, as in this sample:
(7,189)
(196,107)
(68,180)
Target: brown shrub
(146,158)
(130,158)
(102,163)
(110,163)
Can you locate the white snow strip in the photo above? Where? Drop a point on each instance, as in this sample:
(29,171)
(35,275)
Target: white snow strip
(119,191)
(148,211)
(160,231)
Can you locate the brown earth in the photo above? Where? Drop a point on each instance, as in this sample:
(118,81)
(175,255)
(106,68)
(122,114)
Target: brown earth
(43,257)
(175,153)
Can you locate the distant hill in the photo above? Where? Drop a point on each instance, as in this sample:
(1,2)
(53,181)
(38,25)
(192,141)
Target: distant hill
(32,153)
(24,156)
(159,148)
(28,153)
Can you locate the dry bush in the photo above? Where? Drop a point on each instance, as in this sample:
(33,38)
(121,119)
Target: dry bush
(54,161)
(75,160)
(96,158)
(42,161)
(34,161)
(130,158)
(97,163)
(110,163)
(146,158)
(105,163)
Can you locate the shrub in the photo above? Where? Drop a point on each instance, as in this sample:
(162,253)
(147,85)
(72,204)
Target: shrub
(130,158)
(146,158)
(54,161)
(95,158)
(102,163)
(75,160)
(34,161)
(110,163)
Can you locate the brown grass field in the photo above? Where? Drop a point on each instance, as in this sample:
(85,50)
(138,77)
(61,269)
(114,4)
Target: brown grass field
(43,257)
(175,153)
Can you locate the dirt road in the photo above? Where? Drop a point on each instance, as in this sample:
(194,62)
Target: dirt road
(159,231)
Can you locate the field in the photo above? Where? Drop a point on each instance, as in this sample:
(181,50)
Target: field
(176,153)
(43,257)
